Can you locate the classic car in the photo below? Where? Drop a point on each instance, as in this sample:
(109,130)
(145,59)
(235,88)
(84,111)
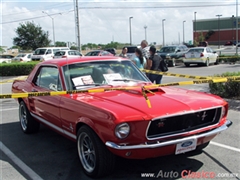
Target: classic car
(111,109)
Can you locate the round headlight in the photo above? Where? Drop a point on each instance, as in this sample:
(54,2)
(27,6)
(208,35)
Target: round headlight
(122,130)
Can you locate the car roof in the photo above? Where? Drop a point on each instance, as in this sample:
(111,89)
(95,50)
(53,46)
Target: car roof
(63,62)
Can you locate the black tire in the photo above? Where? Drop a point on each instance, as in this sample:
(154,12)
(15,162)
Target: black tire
(202,146)
(207,62)
(186,64)
(27,122)
(217,61)
(98,161)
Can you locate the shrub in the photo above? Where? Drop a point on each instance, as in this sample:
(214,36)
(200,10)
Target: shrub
(16,69)
(228,89)
(229,59)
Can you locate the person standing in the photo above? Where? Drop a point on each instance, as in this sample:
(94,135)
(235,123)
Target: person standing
(124,52)
(145,49)
(139,60)
(153,64)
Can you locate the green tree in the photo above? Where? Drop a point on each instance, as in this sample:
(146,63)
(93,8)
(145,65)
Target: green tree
(1,50)
(60,44)
(31,36)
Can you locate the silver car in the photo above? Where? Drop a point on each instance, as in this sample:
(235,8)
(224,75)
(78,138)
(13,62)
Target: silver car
(22,58)
(199,56)
(66,54)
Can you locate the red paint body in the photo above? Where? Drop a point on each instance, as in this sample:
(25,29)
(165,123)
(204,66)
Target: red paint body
(103,111)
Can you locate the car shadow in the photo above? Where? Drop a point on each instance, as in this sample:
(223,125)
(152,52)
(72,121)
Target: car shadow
(52,157)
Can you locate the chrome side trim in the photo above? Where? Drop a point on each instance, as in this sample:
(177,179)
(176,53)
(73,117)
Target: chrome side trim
(167,143)
(53,126)
(178,114)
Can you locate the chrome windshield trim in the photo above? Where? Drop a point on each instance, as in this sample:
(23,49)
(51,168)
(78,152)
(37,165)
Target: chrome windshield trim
(171,142)
(178,114)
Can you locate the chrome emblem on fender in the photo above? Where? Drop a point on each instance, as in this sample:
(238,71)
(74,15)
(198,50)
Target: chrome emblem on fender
(204,115)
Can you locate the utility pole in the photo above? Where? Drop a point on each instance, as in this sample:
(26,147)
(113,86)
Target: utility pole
(183,32)
(130,29)
(219,15)
(237,27)
(163,31)
(78,28)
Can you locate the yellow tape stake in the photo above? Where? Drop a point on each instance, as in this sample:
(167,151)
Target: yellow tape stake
(146,98)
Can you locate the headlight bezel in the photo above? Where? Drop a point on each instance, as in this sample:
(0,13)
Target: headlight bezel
(122,130)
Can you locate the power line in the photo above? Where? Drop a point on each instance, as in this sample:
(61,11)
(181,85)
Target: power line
(47,7)
(136,7)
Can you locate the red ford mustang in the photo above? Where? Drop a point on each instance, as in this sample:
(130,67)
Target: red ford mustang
(117,121)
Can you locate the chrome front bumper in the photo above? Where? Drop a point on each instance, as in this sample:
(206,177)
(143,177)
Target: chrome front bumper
(172,142)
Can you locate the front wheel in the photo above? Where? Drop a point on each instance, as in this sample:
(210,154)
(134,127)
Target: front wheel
(95,158)
(28,124)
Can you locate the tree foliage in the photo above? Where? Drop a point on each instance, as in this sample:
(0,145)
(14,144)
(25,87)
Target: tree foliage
(60,44)
(30,36)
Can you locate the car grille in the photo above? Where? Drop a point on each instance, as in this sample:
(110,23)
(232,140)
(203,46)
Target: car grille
(183,123)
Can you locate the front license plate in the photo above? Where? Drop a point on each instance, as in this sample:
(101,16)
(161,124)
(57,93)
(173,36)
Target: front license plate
(186,146)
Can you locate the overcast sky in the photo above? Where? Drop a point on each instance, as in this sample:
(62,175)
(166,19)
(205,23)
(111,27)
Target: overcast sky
(103,21)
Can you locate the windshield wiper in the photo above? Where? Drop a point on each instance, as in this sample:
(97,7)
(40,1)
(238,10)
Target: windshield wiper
(128,80)
(95,84)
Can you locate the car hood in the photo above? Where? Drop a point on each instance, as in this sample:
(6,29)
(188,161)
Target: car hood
(164,101)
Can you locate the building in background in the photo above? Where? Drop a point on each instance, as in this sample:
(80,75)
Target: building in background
(209,28)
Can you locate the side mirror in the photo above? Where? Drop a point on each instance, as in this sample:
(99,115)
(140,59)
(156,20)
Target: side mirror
(178,50)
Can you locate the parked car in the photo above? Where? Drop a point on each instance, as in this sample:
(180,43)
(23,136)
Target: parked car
(99,53)
(200,55)
(67,54)
(109,123)
(229,43)
(131,52)
(46,53)
(111,50)
(5,58)
(172,53)
(22,58)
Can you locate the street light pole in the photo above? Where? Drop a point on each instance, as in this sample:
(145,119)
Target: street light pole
(183,32)
(130,30)
(219,15)
(163,30)
(195,25)
(145,27)
(52,26)
(237,27)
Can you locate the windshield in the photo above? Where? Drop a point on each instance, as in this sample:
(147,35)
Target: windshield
(39,52)
(195,50)
(131,49)
(20,55)
(102,73)
(167,50)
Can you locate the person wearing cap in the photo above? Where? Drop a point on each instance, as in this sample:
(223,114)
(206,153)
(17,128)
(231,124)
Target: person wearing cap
(153,64)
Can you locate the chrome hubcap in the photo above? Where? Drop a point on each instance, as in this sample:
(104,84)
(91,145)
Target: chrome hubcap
(23,116)
(86,152)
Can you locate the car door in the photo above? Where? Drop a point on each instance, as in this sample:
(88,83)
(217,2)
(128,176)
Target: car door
(210,55)
(46,108)
(49,54)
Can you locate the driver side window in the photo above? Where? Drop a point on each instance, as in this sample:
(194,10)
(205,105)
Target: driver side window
(48,78)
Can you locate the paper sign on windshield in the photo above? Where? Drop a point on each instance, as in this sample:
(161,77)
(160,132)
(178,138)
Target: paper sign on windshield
(110,77)
(83,80)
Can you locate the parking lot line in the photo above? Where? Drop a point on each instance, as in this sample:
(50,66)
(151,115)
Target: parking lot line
(9,109)
(19,163)
(225,146)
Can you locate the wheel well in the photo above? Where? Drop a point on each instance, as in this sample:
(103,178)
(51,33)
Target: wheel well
(80,124)
(19,100)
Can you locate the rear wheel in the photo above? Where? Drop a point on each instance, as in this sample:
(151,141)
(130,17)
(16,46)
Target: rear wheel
(207,62)
(95,158)
(186,64)
(28,124)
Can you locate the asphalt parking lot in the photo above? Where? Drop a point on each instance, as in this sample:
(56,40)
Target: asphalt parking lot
(49,156)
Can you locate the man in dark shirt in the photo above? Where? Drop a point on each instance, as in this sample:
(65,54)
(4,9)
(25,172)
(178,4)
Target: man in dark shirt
(154,61)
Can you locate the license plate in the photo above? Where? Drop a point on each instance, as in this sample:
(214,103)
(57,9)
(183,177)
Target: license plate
(186,146)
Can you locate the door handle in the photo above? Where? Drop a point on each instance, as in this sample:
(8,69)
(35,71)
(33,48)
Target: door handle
(34,90)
